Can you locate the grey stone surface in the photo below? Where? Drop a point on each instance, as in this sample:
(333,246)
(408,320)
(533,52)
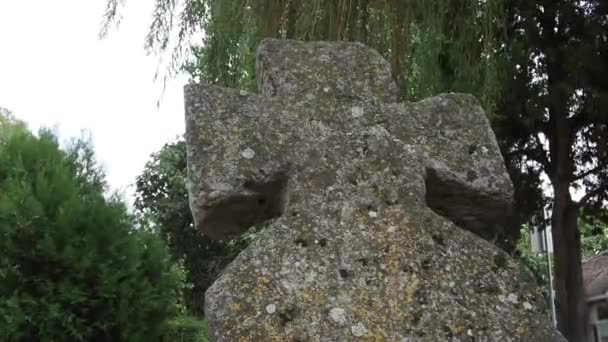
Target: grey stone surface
(293,68)
(361,194)
(595,275)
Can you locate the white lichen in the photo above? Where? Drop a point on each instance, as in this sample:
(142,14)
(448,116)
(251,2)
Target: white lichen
(310,276)
(338,315)
(359,329)
(271,308)
(356,112)
(248,153)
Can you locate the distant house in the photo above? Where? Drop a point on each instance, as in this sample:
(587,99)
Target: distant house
(595,281)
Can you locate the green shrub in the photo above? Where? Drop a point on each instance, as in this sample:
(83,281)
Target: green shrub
(73,268)
(594,234)
(536,263)
(186,329)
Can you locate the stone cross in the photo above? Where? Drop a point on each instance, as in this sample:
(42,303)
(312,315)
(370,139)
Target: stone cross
(367,200)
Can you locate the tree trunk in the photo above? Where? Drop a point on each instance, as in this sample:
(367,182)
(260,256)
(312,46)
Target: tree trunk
(570,300)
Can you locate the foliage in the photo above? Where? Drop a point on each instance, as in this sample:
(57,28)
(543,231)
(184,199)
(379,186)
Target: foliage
(185,329)
(183,285)
(5,115)
(8,120)
(556,79)
(433,46)
(594,236)
(72,267)
(89,175)
(162,201)
(552,122)
(536,262)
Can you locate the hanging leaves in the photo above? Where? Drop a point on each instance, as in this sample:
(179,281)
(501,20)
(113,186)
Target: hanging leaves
(433,46)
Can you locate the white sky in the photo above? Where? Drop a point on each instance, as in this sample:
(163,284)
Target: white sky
(55,72)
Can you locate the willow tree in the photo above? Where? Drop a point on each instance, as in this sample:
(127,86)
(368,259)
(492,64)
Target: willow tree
(433,46)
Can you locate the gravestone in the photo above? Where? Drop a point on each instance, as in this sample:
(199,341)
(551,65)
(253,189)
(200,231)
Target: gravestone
(379,213)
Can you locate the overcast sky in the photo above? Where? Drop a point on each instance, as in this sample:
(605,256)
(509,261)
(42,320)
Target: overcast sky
(55,72)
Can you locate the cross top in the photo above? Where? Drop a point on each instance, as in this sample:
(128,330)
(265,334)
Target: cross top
(326,112)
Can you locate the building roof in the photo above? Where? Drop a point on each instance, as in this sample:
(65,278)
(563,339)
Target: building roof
(595,275)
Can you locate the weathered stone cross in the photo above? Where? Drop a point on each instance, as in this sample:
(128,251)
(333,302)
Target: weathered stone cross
(363,193)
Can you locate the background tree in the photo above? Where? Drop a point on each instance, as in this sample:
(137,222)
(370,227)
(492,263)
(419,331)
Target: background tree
(5,114)
(553,122)
(433,46)
(8,119)
(162,202)
(594,236)
(72,266)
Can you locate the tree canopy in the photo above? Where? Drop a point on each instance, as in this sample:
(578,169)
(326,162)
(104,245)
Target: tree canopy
(553,123)
(72,267)
(433,46)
